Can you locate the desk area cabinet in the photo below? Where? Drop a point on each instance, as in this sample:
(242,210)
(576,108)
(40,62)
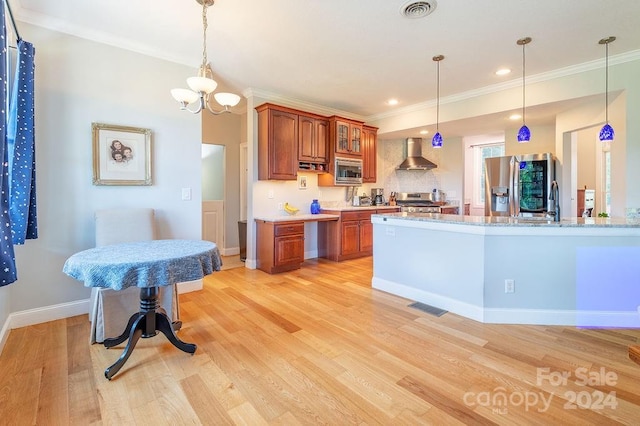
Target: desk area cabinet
(280,241)
(349,237)
(280,245)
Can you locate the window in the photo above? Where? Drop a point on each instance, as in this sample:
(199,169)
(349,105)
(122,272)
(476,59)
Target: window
(480,152)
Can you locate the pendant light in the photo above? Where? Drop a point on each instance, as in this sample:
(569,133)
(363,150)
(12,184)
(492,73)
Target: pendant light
(436,142)
(607,133)
(524,134)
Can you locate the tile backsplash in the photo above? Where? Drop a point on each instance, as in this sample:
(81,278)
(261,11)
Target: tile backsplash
(391,154)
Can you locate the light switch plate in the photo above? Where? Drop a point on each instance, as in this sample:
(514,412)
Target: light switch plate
(186,194)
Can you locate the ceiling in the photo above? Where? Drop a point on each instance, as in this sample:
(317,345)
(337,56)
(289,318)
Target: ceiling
(353,55)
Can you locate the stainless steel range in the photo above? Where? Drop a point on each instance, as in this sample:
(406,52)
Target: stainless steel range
(417,202)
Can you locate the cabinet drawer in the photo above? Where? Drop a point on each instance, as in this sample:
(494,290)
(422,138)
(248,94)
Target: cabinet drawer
(357,215)
(289,229)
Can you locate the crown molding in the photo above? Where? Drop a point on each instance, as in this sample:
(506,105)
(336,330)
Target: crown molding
(299,104)
(515,83)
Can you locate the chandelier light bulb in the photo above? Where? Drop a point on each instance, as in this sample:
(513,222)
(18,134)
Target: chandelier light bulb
(184,95)
(227,99)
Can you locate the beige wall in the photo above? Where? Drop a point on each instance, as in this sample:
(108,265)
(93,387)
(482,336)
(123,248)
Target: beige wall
(543,139)
(225,130)
(79,82)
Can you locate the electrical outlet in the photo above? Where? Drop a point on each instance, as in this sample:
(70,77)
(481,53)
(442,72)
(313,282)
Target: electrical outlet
(509,286)
(280,207)
(270,193)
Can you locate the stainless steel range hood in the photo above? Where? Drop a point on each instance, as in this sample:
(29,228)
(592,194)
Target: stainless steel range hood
(414,159)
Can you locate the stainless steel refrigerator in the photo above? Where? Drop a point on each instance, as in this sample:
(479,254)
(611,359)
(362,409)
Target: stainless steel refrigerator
(519,185)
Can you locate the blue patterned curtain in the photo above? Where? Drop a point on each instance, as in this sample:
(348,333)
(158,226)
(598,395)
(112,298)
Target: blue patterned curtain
(21,148)
(7,258)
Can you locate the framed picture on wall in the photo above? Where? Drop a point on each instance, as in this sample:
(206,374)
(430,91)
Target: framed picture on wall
(121,155)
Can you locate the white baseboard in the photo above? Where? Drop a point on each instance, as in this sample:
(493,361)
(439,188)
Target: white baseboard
(65,310)
(189,286)
(457,307)
(611,319)
(312,254)
(232,251)
(4,334)
(48,313)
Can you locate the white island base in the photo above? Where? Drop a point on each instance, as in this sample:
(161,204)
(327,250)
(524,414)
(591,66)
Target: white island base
(581,272)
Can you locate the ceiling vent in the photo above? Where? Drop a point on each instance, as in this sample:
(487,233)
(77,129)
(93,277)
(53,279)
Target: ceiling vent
(418,9)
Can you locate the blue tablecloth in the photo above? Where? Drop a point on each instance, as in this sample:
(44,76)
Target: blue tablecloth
(144,264)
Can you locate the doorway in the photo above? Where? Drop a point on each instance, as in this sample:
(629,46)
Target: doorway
(589,168)
(213,160)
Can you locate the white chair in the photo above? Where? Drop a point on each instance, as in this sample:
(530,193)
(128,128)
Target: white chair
(111,309)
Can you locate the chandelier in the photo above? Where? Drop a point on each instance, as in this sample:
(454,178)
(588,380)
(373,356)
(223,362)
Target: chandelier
(203,85)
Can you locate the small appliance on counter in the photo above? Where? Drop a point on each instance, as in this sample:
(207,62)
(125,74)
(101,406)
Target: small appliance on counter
(365,200)
(438,196)
(589,202)
(377,196)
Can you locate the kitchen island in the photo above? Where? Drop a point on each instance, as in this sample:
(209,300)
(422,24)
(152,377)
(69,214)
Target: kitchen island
(579,271)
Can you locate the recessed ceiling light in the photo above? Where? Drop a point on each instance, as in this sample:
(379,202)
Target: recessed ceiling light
(424,132)
(515,117)
(392,102)
(503,71)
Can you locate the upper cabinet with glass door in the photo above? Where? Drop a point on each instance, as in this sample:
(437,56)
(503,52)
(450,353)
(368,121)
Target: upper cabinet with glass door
(346,136)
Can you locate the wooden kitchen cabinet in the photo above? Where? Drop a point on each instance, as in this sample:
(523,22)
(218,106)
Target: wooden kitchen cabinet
(369,154)
(346,136)
(277,143)
(313,141)
(449,210)
(280,246)
(347,238)
(290,140)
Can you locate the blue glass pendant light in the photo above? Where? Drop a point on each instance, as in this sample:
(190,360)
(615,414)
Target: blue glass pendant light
(606,133)
(436,142)
(524,134)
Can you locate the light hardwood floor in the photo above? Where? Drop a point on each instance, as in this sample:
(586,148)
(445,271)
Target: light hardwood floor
(230,262)
(319,346)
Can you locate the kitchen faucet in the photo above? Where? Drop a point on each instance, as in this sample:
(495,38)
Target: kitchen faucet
(554,196)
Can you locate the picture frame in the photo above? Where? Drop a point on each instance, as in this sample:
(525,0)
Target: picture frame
(302,182)
(121,155)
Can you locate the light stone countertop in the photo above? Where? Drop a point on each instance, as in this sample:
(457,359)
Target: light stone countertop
(299,218)
(595,222)
(359,208)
